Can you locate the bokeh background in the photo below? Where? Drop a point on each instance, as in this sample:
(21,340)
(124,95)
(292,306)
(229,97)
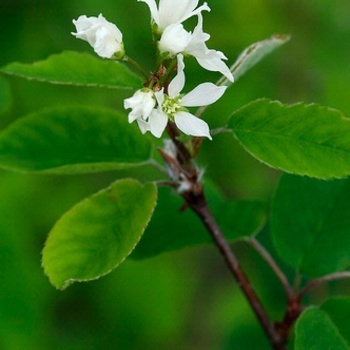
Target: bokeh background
(182,300)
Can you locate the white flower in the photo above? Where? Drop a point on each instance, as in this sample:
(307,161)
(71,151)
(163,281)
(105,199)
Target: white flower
(173,11)
(142,104)
(176,39)
(173,105)
(103,36)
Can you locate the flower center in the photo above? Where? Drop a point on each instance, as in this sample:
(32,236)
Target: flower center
(171,105)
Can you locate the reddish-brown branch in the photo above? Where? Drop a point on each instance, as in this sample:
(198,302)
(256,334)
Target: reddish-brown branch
(316,282)
(183,169)
(197,202)
(293,311)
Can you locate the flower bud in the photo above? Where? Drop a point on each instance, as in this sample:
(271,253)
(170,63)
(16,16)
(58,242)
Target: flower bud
(174,40)
(103,36)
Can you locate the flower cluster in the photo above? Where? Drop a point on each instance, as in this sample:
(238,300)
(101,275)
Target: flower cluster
(160,100)
(172,105)
(174,39)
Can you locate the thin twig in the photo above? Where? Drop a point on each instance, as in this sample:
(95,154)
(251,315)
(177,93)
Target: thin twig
(272,263)
(316,282)
(297,282)
(170,69)
(158,166)
(136,65)
(199,205)
(171,184)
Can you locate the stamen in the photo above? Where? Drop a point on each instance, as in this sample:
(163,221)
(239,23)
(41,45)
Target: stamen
(171,105)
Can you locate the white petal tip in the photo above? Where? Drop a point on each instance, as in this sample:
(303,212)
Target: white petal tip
(231,78)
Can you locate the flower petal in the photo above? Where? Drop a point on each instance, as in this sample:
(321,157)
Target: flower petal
(171,11)
(174,39)
(203,95)
(157,122)
(213,62)
(209,59)
(106,44)
(178,83)
(191,125)
(141,103)
(160,96)
(198,38)
(111,27)
(198,11)
(103,36)
(144,126)
(134,115)
(153,8)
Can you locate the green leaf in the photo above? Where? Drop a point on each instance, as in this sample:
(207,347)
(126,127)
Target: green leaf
(74,68)
(172,229)
(338,309)
(311,224)
(315,330)
(72,140)
(301,139)
(253,54)
(96,235)
(5,97)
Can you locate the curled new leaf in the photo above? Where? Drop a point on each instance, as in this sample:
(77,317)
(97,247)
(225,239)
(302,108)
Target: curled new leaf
(253,54)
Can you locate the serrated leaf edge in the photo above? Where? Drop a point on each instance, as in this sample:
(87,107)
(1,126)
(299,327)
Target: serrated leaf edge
(332,324)
(56,82)
(340,114)
(70,281)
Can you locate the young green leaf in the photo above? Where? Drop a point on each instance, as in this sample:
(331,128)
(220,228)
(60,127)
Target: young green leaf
(301,139)
(96,235)
(311,224)
(74,68)
(316,330)
(253,54)
(72,140)
(338,308)
(172,229)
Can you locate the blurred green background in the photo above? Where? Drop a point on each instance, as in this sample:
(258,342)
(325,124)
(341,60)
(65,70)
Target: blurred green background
(183,300)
